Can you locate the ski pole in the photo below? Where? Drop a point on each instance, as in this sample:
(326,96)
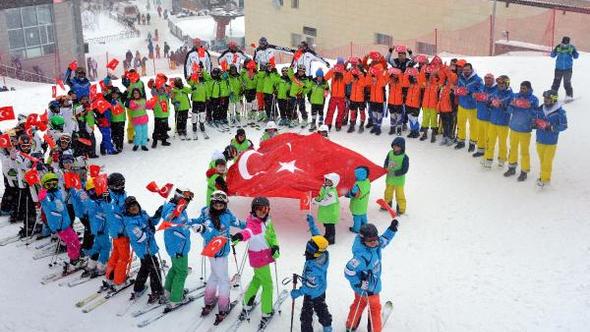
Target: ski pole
(356,311)
(233,248)
(277,283)
(293,300)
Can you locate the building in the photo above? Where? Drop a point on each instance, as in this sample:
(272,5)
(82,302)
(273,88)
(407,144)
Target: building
(39,36)
(430,26)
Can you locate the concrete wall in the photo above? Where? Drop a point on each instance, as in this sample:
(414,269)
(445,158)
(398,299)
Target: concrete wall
(69,42)
(339,22)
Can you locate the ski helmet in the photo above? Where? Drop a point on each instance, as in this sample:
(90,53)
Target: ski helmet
(219,197)
(57,122)
(49,180)
(368,233)
(185,194)
(262,41)
(503,79)
(89,184)
(334,178)
(130,201)
(316,246)
(24,143)
(116,182)
(220,161)
(271,125)
(552,95)
(260,201)
(66,158)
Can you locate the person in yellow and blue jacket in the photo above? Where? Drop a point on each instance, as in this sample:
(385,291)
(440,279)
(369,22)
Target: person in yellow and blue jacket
(522,110)
(314,281)
(499,102)
(550,120)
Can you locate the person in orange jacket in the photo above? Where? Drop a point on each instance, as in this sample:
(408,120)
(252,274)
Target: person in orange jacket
(338,78)
(446,105)
(357,99)
(429,103)
(377,79)
(413,101)
(395,101)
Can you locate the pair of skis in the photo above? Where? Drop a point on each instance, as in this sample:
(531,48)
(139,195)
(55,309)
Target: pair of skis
(283,296)
(168,310)
(95,300)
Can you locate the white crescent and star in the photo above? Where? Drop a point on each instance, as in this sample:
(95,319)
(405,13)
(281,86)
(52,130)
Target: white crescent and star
(288,166)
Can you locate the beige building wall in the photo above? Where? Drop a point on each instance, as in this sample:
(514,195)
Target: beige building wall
(339,22)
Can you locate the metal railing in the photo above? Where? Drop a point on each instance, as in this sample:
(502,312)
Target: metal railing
(118,36)
(23,75)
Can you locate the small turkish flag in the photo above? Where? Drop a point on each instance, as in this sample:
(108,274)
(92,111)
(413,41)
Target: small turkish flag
(214,246)
(179,208)
(73,65)
(92,91)
(223,64)
(297,55)
(291,165)
(133,77)
(113,64)
(100,184)
(272,62)
(33,159)
(118,109)
(53,91)
(235,58)
(103,86)
(6,113)
(160,80)
(32,177)
(72,180)
(49,140)
(305,201)
(94,170)
(201,52)
(165,190)
(85,141)
(165,225)
(153,187)
(151,102)
(31,120)
(61,84)
(5,141)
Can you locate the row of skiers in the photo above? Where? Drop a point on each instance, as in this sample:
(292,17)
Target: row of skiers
(117,224)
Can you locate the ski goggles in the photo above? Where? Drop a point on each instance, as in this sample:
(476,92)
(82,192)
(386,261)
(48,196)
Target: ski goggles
(371,242)
(118,187)
(262,209)
(51,184)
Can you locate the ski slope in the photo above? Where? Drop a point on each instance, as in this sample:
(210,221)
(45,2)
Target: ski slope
(475,252)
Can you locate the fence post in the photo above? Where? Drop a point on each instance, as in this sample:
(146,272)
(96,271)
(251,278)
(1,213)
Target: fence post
(552,27)
(435,41)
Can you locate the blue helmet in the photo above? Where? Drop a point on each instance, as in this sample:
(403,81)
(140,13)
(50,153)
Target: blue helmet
(319,73)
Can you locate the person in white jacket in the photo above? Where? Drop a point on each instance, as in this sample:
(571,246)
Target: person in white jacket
(305,56)
(233,56)
(198,56)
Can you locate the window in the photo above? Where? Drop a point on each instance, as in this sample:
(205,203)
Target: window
(30,31)
(383,39)
(294,3)
(310,31)
(310,41)
(296,39)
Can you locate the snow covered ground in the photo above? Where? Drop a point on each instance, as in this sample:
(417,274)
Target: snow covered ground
(475,252)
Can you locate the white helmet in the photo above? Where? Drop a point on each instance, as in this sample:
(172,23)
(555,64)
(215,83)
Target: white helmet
(324,128)
(334,177)
(217,155)
(271,125)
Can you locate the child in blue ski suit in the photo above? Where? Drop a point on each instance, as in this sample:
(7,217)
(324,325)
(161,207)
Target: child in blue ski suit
(141,230)
(96,206)
(314,281)
(216,220)
(363,272)
(121,255)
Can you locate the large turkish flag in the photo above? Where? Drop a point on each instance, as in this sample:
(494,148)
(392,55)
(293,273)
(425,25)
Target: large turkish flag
(292,165)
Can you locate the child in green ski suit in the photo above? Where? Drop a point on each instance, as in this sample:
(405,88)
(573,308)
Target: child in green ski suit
(329,206)
(359,198)
(182,103)
(263,250)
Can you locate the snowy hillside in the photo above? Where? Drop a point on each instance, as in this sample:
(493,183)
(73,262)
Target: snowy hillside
(475,252)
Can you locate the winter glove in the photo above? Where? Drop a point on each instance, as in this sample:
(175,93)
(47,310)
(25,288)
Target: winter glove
(393,225)
(198,228)
(364,285)
(275,252)
(295,293)
(237,238)
(309,219)
(391,50)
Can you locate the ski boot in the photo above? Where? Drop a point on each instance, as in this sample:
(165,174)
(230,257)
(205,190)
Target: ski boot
(486,163)
(220,317)
(541,184)
(338,128)
(522,176)
(265,320)
(510,172)
(135,147)
(144,148)
(313,127)
(361,128)
(156,298)
(154,144)
(392,130)
(206,310)
(377,130)
(444,141)
(424,134)
(471,147)
(137,294)
(460,145)
(350,128)
(165,142)
(433,137)
(478,154)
